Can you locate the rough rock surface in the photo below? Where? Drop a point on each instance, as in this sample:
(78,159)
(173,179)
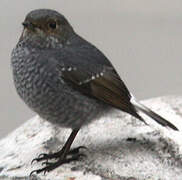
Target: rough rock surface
(119,147)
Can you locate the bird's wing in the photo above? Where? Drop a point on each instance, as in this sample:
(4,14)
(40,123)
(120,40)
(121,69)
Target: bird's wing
(88,71)
(98,79)
(101,81)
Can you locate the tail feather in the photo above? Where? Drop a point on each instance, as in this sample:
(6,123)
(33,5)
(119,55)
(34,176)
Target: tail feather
(152,114)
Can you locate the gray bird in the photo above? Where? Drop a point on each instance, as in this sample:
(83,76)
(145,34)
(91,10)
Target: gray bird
(67,80)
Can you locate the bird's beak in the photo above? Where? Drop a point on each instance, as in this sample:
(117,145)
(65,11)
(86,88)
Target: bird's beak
(25,24)
(28,25)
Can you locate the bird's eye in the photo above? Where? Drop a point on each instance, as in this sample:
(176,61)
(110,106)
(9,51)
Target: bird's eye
(52,25)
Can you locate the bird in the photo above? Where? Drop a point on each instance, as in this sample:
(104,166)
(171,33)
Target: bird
(67,81)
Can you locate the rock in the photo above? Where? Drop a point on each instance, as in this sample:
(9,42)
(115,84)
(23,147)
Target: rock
(120,147)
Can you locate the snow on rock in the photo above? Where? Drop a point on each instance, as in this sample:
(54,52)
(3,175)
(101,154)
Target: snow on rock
(120,147)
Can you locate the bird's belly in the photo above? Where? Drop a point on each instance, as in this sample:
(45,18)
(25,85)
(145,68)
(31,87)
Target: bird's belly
(60,104)
(69,109)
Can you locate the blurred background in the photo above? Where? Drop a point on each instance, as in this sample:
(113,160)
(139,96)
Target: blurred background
(142,38)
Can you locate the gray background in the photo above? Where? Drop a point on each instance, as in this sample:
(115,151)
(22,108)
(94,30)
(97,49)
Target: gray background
(142,38)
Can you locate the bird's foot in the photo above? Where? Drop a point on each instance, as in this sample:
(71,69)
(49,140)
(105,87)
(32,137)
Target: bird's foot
(72,155)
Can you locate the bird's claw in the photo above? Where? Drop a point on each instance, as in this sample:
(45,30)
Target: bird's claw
(75,155)
(40,157)
(49,166)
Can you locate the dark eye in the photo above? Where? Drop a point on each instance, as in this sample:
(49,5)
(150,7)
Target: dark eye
(52,25)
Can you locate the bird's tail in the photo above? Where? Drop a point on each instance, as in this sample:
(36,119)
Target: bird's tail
(140,107)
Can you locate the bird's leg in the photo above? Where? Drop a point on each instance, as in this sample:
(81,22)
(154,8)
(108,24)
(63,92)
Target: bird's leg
(60,155)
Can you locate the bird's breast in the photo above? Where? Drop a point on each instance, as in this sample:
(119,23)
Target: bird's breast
(35,82)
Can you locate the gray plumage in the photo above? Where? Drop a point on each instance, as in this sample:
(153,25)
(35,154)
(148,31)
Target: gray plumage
(38,79)
(64,78)
(67,80)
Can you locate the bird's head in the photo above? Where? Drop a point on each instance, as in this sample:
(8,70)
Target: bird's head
(46,26)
